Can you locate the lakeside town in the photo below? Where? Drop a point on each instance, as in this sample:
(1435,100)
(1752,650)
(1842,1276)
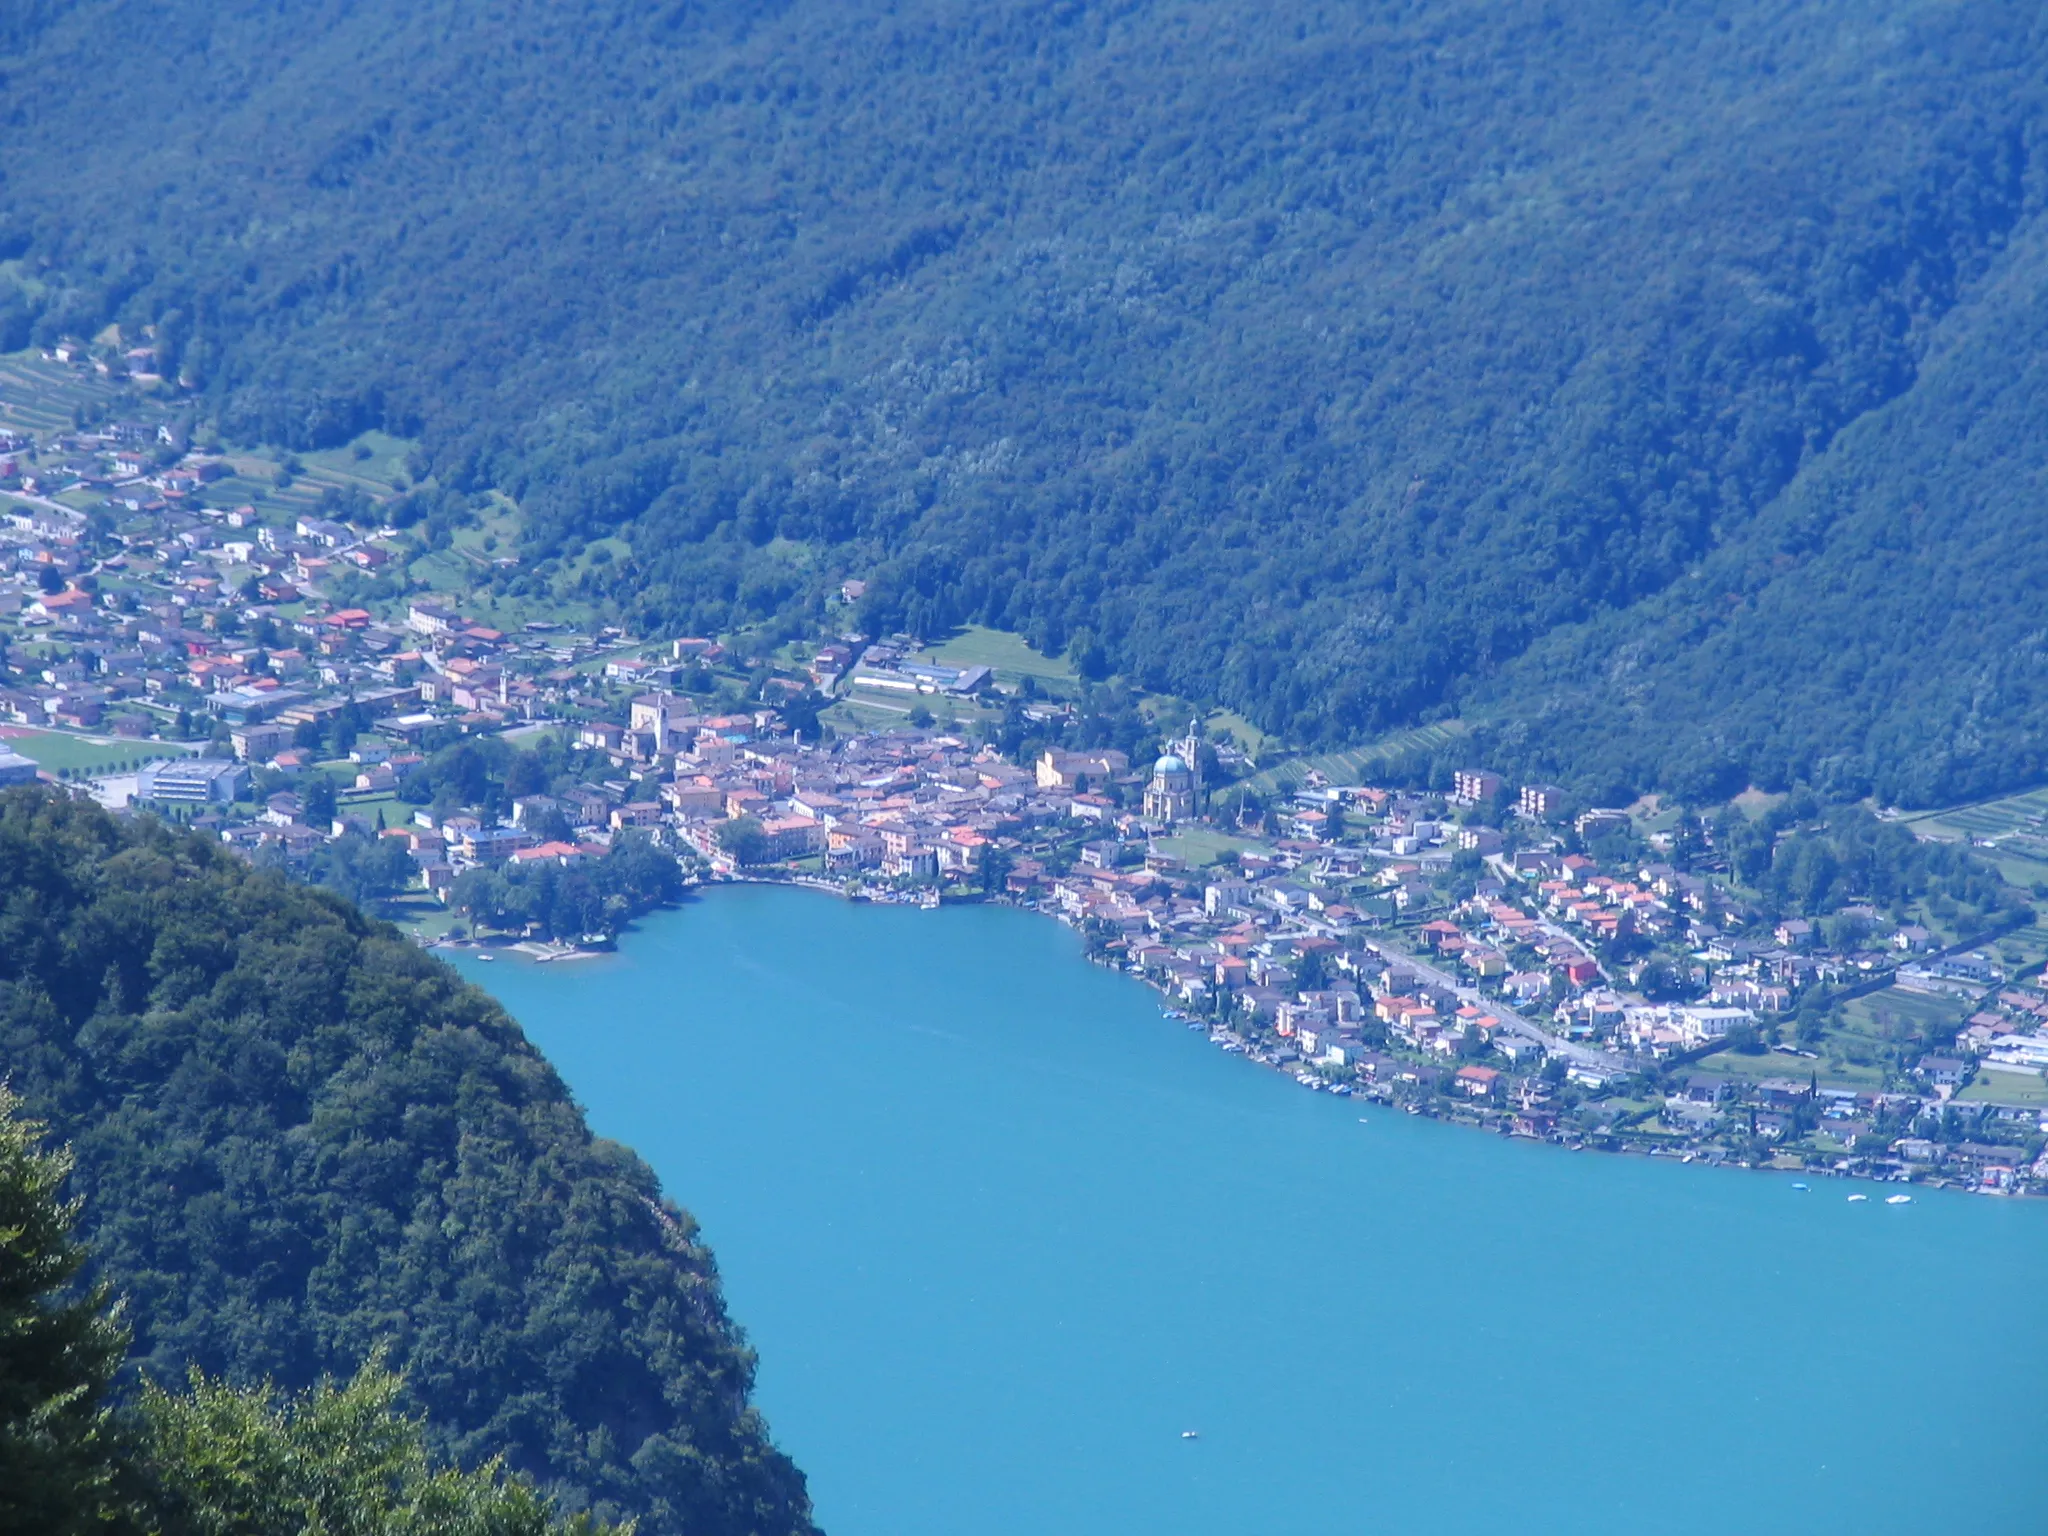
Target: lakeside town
(1473,949)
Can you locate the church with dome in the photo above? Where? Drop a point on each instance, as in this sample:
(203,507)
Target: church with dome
(1175,793)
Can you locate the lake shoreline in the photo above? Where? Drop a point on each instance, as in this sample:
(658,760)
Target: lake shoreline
(990,1224)
(1258,1048)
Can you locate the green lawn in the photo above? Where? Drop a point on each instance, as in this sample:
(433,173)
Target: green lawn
(877,710)
(444,570)
(1227,722)
(396,813)
(1006,653)
(417,912)
(377,474)
(1796,1068)
(1197,846)
(2006,1088)
(1872,1014)
(56,750)
(860,714)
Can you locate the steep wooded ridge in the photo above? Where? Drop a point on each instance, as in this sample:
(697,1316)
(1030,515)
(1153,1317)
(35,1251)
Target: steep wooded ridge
(298,1139)
(1317,360)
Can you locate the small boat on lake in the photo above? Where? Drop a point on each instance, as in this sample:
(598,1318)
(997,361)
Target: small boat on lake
(1191,1434)
(1898,1199)
(487,958)
(1800,1186)
(1855,1199)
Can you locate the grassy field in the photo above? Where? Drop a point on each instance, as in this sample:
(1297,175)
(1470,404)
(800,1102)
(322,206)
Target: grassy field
(1226,722)
(1354,764)
(396,813)
(420,913)
(2023,949)
(58,750)
(2006,1088)
(1895,1008)
(866,711)
(375,462)
(1795,1068)
(1874,1027)
(1651,816)
(1011,659)
(1199,845)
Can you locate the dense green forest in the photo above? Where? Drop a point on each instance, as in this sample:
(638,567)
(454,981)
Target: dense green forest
(1634,380)
(299,1141)
(215,1460)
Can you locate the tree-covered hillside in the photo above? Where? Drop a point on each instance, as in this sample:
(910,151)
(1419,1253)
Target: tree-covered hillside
(298,1140)
(1315,360)
(1878,630)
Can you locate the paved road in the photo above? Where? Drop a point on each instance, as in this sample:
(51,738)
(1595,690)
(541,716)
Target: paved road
(1514,1023)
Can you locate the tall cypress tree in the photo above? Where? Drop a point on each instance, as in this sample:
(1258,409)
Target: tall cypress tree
(59,1348)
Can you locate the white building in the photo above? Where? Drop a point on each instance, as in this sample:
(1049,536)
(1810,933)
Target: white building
(193,781)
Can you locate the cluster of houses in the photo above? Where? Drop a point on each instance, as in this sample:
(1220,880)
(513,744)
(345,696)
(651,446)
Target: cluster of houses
(1432,950)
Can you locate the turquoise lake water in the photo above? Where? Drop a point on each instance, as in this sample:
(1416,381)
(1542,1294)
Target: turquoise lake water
(1000,1234)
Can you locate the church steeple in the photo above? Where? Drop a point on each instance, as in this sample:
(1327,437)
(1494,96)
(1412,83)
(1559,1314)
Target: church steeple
(1189,749)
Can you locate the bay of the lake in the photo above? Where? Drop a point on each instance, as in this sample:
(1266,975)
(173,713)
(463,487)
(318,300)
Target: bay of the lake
(1001,1235)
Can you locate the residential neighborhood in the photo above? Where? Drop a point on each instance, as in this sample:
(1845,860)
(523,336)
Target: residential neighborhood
(1480,950)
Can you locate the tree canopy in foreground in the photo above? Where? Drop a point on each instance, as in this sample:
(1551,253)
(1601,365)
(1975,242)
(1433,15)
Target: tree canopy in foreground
(300,1142)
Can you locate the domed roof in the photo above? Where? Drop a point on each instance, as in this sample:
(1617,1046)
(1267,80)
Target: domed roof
(1169,764)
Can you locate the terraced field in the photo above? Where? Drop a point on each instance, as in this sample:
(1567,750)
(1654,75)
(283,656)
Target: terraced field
(40,397)
(1357,765)
(45,397)
(2015,816)
(1895,1014)
(2012,833)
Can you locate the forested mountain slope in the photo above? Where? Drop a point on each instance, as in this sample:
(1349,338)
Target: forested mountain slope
(298,1139)
(1879,629)
(1317,360)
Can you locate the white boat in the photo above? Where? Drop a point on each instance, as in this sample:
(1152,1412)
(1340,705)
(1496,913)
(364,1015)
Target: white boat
(487,958)
(1855,1199)
(1191,1434)
(1898,1199)
(1799,1186)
